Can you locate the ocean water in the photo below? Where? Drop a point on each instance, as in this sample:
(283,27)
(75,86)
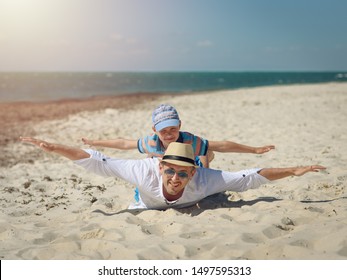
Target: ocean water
(61,85)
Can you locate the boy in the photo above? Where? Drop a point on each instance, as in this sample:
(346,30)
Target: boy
(166,127)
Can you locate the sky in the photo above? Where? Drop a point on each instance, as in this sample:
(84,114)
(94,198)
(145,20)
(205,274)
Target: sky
(173,35)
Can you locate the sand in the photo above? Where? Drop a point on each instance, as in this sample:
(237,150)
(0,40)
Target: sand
(53,209)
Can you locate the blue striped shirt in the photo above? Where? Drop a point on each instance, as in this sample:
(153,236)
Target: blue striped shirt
(152,145)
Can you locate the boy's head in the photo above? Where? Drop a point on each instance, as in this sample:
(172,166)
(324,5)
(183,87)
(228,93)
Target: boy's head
(166,123)
(165,116)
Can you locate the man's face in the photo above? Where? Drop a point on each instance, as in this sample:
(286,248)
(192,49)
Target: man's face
(168,134)
(175,177)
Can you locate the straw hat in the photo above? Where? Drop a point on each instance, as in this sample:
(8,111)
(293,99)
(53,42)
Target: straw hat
(179,154)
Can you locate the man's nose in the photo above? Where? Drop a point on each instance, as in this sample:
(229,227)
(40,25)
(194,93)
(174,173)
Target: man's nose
(175,177)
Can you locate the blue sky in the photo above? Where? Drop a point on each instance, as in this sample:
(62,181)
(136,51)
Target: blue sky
(173,35)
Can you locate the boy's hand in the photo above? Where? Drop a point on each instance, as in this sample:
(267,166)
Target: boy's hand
(87,142)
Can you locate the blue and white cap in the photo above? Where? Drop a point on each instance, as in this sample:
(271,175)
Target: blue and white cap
(164,116)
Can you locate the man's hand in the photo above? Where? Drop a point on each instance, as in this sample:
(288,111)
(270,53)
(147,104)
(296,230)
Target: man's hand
(299,171)
(48,147)
(66,151)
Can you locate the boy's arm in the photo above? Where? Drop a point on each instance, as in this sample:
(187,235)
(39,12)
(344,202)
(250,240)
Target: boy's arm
(122,144)
(232,147)
(205,160)
(66,151)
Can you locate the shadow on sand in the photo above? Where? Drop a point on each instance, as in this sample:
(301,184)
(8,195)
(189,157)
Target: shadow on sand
(216,201)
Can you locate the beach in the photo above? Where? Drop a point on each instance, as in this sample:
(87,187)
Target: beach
(51,209)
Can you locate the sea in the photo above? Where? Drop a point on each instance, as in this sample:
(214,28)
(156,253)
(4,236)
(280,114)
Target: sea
(48,86)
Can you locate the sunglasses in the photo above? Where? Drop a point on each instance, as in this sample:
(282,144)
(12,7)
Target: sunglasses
(171,172)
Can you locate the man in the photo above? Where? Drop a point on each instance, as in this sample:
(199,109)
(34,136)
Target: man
(174,180)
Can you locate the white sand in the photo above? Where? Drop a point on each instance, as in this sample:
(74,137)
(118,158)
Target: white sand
(53,209)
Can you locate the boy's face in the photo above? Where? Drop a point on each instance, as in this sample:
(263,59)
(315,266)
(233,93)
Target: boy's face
(168,134)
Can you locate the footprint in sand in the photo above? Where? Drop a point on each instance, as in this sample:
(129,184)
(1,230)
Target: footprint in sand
(279,229)
(342,178)
(252,238)
(314,209)
(302,243)
(6,233)
(46,238)
(98,233)
(343,251)
(194,235)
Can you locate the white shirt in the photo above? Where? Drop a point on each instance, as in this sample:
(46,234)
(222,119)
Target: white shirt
(144,173)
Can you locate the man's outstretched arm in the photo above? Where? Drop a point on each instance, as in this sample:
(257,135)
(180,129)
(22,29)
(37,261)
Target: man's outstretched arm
(66,151)
(279,173)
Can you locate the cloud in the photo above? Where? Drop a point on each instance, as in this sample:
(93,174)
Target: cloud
(116,37)
(61,43)
(204,44)
(119,38)
(291,48)
(131,52)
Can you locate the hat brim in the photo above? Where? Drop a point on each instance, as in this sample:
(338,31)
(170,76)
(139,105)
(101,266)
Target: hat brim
(167,123)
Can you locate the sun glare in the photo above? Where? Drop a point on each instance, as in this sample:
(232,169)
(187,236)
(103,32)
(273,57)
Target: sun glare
(23,13)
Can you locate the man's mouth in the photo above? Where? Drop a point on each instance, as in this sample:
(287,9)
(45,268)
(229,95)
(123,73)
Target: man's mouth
(175,186)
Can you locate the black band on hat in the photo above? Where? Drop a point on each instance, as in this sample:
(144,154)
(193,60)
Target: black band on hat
(189,160)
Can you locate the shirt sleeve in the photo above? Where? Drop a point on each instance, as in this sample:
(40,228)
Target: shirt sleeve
(200,146)
(132,171)
(140,145)
(150,145)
